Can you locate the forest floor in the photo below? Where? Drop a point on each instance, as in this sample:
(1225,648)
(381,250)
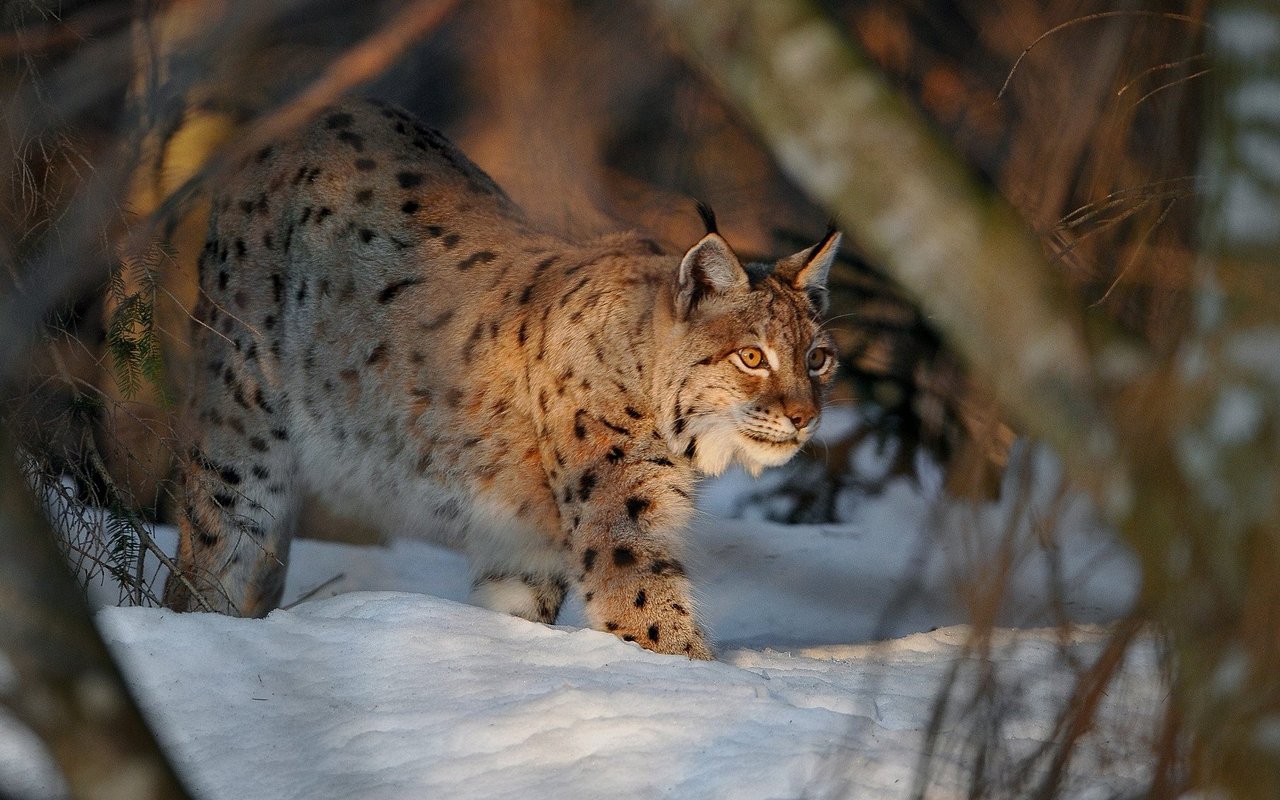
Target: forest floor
(835,643)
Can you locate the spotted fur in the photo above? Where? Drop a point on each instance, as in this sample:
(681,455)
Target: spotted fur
(379,324)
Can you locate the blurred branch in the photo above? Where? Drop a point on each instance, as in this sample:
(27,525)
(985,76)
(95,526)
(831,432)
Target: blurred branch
(69,690)
(844,135)
(66,262)
(363,62)
(74,253)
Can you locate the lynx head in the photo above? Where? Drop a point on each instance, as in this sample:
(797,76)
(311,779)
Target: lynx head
(748,362)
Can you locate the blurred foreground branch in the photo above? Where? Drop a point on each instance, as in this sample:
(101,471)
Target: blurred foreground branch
(366,60)
(93,209)
(67,689)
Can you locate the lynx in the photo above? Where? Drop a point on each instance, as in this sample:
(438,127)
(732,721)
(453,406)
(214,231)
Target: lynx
(380,324)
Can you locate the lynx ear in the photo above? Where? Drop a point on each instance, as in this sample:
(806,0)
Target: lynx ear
(709,268)
(808,269)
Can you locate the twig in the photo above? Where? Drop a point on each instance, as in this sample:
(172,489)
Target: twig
(1090,18)
(95,458)
(1146,192)
(1171,84)
(313,591)
(937,718)
(1089,692)
(1134,257)
(102,474)
(1158,67)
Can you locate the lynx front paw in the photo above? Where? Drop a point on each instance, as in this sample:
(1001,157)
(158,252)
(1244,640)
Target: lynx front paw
(674,637)
(655,615)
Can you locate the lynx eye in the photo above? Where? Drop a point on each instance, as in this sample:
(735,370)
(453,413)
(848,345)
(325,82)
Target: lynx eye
(818,358)
(752,357)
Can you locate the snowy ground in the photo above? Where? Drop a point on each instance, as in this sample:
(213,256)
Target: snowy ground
(835,641)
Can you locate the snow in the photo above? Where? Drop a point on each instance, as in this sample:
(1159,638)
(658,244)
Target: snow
(383,694)
(835,643)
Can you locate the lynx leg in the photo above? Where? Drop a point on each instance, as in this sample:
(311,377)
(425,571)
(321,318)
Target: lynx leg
(636,589)
(238,492)
(626,547)
(236,529)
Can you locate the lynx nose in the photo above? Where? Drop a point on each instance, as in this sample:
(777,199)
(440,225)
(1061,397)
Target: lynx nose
(801,415)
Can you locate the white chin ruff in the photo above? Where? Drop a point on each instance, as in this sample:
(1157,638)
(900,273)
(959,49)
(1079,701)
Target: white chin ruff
(755,456)
(718,449)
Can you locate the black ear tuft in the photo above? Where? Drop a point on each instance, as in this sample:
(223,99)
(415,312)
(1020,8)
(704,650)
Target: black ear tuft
(809,268)
(708,217)
(832,231)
